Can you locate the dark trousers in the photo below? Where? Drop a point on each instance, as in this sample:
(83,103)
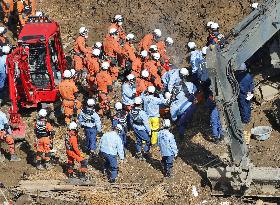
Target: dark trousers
(111,164)
(142,135)
(91,133)
(167,162)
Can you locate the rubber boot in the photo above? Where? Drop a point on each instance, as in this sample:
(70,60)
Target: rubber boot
(39,165)
(15,158)
(71,175)
(48,166)
(139,156)
(82,176)
(112,181)
(168,174)
(2,157)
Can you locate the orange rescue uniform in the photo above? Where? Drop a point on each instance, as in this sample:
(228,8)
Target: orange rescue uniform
(162,50)
(73,152)
(111,47)
(7,8)
(142,85)
(4,137)
(81,51)
(67,89)
(146,42)
(121,33)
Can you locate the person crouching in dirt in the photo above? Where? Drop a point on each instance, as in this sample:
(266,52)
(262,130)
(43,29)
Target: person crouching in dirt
(168,148)
(5,136)
(110,146)
(91,123)
(44,134)
(68,91)
(73,152)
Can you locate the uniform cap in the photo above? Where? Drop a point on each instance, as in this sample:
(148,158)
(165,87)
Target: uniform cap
(144,54)
(130,77)
(91,102)
(145,73)
(73,126)
(67,74)
(39,13)
(191,45)
(105,65)
(157,32)
(156,56)
(118,106)
(138,101)
(6,49)
(242,67)
(184,71)
(254,5)
(204,50)
(43,113)
(96,52)
(151,89)
(169,40)
(118,18)
(130,36)
(166,123)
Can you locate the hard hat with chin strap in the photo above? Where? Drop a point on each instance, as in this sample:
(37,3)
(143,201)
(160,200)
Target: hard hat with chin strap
(157,33)
(67,74)
(73,126)
(43,113)
(105,65)
(118,106)
(145,73)
(96,52)
(144,54)
(90,102)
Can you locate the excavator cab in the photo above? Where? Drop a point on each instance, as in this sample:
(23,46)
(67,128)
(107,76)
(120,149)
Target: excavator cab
(34,68)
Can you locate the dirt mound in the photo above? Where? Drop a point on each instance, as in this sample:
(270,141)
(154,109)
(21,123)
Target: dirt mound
(183,20)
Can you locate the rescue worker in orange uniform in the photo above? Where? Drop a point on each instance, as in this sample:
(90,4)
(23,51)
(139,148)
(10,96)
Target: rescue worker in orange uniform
(44,134)
(129,52)
(3,39)
(104,86)
(155,69)
(80,49)
(5,136)
(149,40)
(111,46)
(143,82)
(117,23)
(73,152)
(23,10)
(68,91)
(93,67)
(7,9)
(162,45)
(138,63)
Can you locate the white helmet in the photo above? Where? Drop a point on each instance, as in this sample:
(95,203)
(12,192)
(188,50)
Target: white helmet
(73,126)
(151,89)
(130,77)
(96,52)
(6,49)
(138,101)
(255,5)
(67,74)
(105,65)
(113,31)
(169,41)
(83,31)
(118,106)
(90,102)
(144,54)
(2,30)
(167,95)
(39,13)
(166,123)
(214,26)
(98,45)
(43,113)
(156,56)
(209,23)
(157,33)
(130,36)
(191,45)
(73,72)
(118,18)
(204,50)
(153,48)
(184,71)
(145,73)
